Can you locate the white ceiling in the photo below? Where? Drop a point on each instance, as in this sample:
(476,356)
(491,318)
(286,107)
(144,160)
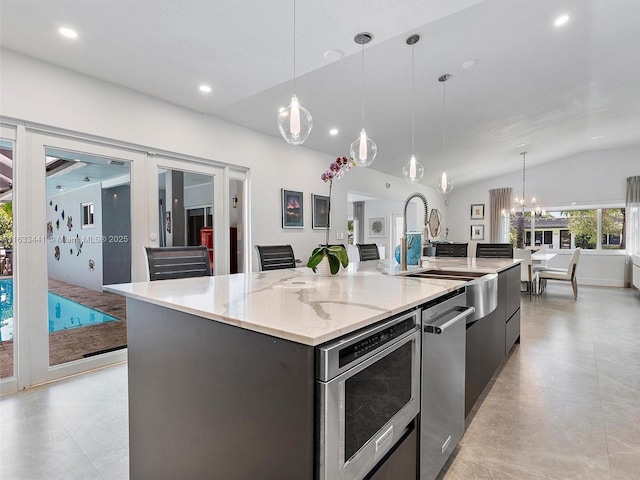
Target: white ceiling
(551,89)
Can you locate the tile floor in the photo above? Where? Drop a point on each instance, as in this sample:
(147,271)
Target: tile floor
(564,405)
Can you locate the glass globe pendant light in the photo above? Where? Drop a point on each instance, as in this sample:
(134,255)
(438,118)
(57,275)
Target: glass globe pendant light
(444,184)
(295,122)
(413,171)
(363,150)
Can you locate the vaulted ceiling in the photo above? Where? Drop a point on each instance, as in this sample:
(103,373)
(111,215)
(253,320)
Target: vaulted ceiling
(553,91)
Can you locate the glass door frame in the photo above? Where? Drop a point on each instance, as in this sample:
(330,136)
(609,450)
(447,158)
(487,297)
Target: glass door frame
(10,133)
(31,356)
(31,342)
(220,178)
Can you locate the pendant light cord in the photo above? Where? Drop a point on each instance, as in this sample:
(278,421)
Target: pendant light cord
(413,99)
(524,154)
(362,89)
(444,126)
(294,47)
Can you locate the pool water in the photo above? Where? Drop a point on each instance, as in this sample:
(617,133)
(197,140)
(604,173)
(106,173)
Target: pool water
(64,314)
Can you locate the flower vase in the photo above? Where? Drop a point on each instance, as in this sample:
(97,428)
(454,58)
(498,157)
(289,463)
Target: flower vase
(323,269)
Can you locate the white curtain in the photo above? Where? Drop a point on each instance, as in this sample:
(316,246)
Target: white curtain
(358,220)
(632,214)
(500,201)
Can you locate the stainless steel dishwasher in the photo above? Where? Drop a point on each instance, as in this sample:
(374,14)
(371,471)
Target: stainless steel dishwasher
(443,379)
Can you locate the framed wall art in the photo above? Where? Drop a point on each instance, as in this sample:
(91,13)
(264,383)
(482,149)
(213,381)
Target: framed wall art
(292,212)
(477,211)
(477,232)
(377,227)
(320,211)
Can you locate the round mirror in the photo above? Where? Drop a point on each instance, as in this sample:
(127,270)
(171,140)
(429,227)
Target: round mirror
(435,223)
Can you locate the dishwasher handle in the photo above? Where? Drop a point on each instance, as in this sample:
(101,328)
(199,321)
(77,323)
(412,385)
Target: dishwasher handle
(437,330)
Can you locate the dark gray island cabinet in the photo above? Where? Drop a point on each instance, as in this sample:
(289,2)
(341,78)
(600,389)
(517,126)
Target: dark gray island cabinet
(209,400)
(223,370)
(490,339)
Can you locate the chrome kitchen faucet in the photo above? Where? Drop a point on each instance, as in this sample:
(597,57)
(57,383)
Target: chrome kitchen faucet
(425,231)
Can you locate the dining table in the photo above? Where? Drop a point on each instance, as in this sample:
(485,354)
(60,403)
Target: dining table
(542,257)
(540,260)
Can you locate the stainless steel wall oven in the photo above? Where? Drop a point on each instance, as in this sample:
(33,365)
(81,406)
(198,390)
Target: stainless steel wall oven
(368,387)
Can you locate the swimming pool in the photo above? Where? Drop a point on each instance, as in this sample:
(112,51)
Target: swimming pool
(64,314)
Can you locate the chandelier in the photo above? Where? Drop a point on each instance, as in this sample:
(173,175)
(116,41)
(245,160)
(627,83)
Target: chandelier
(520,204)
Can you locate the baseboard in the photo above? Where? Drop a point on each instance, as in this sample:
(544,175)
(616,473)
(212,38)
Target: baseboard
(8,386)
(600,282)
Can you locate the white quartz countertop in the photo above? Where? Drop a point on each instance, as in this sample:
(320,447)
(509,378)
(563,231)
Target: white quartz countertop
(300,306)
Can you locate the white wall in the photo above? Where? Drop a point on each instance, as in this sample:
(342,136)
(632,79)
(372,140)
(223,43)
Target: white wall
(36,92)
(73,267)
(589,179)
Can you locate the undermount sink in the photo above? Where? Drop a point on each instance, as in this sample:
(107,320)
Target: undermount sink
(446,275)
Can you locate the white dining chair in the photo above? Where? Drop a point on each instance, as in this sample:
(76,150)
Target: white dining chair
(539,266)
(527,275)
(567,275)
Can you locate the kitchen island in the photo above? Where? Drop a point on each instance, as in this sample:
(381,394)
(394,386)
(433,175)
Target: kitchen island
(221,369)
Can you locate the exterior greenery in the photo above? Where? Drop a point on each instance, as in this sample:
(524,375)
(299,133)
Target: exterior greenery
(6,225)
(584,225)
(573,228)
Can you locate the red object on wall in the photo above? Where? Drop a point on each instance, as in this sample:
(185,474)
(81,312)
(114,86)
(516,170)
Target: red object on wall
(206,239)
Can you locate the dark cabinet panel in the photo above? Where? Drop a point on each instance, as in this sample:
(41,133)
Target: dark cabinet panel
(513,290)
(211,400)
(493,336)
(473,378)
(512,331)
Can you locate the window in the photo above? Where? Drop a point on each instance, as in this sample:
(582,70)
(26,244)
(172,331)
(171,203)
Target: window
(590,229)
(613,221)
(87,215)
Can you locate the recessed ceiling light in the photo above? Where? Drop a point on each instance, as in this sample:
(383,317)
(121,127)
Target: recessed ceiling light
(333,55)
(522,145)
(597,137)
(469,63)
(561,20)
(67,32)
(333,131)
(59,187)
(205,88)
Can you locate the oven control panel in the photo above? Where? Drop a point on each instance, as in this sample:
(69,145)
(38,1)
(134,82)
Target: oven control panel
(338,356)
(374,341)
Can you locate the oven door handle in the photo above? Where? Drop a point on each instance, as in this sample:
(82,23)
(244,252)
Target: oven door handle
(438,329)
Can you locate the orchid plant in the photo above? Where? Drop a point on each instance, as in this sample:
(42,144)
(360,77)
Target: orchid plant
(336,254)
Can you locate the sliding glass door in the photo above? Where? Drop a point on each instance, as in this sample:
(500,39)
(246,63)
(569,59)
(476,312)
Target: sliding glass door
(188,207)
(77,232)
(84,211)
(88,238)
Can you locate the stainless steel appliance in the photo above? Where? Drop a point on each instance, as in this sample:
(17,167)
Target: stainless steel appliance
(443,379)
(369,392)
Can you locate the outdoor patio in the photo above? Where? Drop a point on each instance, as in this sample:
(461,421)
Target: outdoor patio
(77,343)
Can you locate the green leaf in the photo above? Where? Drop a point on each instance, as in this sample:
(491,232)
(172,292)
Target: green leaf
(341,255)
(334,264)
(315,258)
